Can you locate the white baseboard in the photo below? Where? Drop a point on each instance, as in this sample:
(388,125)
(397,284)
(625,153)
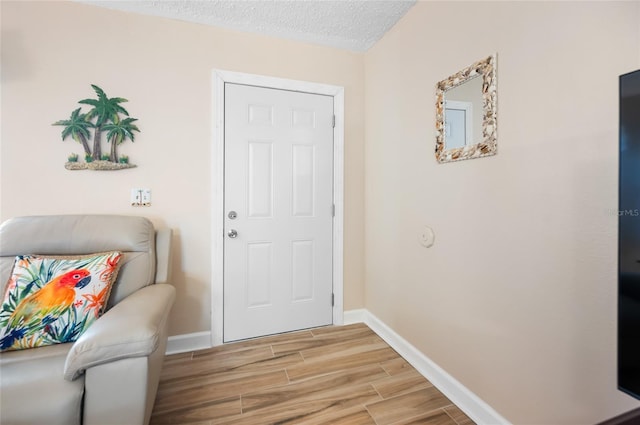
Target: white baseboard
(355,316)
(188,342)
(479,411)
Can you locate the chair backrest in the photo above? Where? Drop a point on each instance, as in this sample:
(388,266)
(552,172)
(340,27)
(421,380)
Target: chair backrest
(85,234)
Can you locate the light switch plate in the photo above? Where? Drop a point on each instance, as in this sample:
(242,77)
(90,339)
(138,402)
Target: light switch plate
(140,197)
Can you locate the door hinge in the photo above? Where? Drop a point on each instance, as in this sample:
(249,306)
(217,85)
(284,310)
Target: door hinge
(333,300)
(334,121)
(333,210)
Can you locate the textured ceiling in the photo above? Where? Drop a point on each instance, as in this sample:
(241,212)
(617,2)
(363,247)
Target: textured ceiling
(346,24)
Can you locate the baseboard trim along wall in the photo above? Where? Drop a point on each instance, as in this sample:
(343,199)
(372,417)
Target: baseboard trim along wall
(188,342)
(479,411)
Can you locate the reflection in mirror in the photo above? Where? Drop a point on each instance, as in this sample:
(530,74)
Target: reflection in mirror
(462,126)
(466,113)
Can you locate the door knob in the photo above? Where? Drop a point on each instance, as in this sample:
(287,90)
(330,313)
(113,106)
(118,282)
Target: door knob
(232,234)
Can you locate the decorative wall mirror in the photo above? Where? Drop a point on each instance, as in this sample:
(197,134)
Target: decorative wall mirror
(466,120)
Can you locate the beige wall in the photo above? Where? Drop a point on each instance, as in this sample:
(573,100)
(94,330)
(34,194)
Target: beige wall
(53,51)
(517,298)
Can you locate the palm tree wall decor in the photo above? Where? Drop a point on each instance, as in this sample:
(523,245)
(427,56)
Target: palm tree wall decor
(104,115)
(77,126)
(118,132)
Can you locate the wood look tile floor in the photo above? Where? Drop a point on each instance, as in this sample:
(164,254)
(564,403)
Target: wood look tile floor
(333,375)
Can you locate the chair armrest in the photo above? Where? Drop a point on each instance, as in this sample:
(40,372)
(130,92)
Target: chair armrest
(163,255)
(131,328)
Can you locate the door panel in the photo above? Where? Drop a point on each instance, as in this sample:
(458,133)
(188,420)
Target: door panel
(260,190)
(258,273)
(303,177)
(302,270)
(279,181)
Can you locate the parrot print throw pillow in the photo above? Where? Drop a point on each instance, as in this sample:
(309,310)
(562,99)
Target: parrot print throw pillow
(52,300)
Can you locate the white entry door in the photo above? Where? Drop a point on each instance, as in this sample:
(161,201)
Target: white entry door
(458,123)
(278,202)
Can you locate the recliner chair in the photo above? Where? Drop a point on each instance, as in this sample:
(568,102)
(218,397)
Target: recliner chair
(110,374)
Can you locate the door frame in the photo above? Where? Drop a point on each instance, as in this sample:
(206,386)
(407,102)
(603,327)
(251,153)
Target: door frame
(220,77)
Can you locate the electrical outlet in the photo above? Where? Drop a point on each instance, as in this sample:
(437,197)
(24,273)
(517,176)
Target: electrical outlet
(140,197)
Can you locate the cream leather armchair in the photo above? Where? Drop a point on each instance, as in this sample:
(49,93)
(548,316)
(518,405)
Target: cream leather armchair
(110,374)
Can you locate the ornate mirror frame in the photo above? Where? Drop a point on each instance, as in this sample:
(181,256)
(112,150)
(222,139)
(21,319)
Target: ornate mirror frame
(486,68)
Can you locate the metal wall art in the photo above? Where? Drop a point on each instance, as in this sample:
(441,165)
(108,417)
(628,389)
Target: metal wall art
(105,115)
